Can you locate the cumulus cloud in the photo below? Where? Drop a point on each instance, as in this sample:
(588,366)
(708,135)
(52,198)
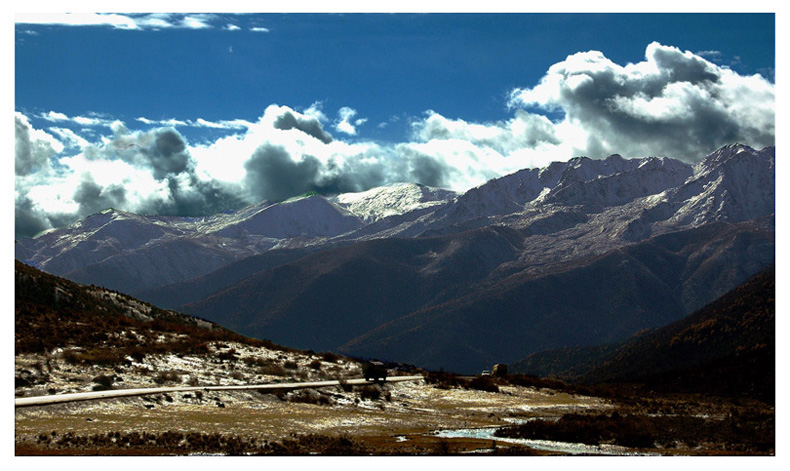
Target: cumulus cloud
(93,198)
(149,172)
(307,124)
(273,175)
(523,130)
(673,103)
(346,122)
(33,148)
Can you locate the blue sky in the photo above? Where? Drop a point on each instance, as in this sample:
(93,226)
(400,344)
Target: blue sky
(189,114)
(384,66)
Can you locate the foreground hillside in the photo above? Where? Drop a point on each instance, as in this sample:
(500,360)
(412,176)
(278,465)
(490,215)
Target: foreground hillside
(90,324)
(726,348)
(112,341)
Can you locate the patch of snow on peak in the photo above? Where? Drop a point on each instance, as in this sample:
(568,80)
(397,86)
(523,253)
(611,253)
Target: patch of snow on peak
(393,199)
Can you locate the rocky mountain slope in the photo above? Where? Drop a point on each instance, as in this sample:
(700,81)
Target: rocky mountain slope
(600,299)
(576,253)
(728,347)
(631,198)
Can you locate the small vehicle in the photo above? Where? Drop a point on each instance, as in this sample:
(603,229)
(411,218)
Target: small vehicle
(485,373)
(374,370)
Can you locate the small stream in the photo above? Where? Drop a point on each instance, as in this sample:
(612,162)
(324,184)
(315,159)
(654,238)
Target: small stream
(568,448)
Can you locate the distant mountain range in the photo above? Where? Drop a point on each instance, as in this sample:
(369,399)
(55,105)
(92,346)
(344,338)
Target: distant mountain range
(575,254)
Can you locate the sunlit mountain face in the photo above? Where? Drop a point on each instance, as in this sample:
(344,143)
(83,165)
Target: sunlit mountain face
(589,250)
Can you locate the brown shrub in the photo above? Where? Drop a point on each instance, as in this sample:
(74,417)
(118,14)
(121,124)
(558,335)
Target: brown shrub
(167,377)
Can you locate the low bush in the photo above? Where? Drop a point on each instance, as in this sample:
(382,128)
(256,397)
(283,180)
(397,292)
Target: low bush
(318,444)
(369,392)
(272,369)
(95,356)
(330,357)
(255,361)
(345,386)
(167,377)
(308,396)
(755,434)
(442,380)
(229,355)
(483,383)
(103,382)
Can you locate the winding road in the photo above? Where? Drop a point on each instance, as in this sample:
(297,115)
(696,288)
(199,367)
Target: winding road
(92,395)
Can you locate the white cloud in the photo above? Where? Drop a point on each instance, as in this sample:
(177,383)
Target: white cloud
(231,124)
(345,122)
(524,130)
(78,120)
(55,116)
(119,21)
(33,147)
(673,103)
(71,138)
(195,22)
(315,110)
(78,19)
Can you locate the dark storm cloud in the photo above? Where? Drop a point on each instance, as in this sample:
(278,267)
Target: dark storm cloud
(307,124)
(680,67)
(30,220)
(93,198)
(168,155)
(31,155)
(164,151)
(274,175)
(424,169)
(358,173)
(27,220)
(192,197)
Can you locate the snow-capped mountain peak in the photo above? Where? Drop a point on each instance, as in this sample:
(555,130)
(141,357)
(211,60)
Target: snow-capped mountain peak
(596,203)
(735,183)
(393,199)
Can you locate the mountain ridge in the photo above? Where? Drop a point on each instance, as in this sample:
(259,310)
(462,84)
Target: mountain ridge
(364,267)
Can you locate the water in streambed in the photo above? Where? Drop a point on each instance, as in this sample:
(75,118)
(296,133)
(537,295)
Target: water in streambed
(569,448)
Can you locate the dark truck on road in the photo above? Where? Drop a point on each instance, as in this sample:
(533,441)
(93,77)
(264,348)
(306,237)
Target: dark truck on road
(374,370)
